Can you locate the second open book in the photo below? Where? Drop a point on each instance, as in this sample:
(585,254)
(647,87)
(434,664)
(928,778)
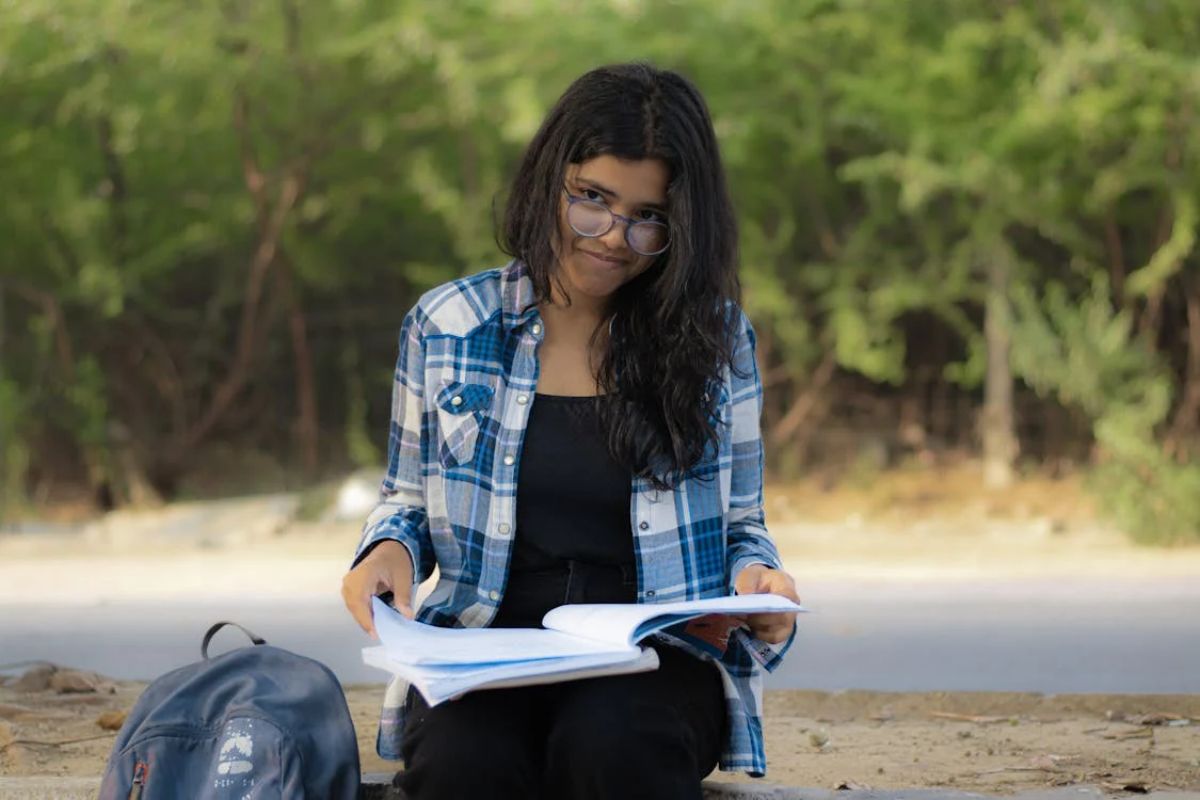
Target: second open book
(578,641)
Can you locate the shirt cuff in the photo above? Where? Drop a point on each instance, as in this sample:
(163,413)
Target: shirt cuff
(385,534)
(770,655)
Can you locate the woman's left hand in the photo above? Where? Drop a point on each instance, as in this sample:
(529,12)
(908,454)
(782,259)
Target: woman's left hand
(774,628)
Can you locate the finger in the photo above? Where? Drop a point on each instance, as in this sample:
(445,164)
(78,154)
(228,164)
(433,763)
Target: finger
(782,584)
(768,618)
(359,605)
(774,634)
(401,588)
(762,581)
(766,580)
(404,606)
(787,590)
(748,579)
(773,628)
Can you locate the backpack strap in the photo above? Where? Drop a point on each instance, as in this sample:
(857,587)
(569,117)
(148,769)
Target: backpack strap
(213,632)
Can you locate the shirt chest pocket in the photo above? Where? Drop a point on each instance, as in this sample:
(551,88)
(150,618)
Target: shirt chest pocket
(461,412)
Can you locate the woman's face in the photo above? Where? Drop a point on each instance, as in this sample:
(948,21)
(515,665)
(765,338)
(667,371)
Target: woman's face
(596,267)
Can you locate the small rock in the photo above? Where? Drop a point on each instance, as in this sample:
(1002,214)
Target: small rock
(1135,787)
(818,740)
(72,681)
(12,711)
(1159,718)
(35,679)
(851,786)
(112,720)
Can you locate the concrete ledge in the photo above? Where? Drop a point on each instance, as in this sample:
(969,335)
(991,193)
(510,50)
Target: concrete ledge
(378,786)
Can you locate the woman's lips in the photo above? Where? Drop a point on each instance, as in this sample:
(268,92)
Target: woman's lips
(608,262)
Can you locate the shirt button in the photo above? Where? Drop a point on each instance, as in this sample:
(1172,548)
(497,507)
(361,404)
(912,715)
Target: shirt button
(509,461)
(493,596)
(503,528)
(644,525)
(522,399)
(536,329)
(650,593)
(456,400)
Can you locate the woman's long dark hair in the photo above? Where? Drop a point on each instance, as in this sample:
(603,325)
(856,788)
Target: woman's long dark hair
(671,327)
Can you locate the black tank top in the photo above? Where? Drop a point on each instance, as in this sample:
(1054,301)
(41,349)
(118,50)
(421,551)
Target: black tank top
(573,539)
(572,497)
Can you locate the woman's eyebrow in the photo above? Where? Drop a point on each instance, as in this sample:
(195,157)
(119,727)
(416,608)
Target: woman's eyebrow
(610,193)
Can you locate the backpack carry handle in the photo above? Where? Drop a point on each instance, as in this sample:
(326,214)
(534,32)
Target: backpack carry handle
(213,632)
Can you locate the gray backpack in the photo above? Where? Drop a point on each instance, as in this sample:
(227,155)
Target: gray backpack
(257,723)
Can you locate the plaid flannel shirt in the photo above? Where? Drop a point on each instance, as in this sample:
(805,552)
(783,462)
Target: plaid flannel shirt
(465,379)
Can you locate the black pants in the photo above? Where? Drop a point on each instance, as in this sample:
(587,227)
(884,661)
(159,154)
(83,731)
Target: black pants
(650,734)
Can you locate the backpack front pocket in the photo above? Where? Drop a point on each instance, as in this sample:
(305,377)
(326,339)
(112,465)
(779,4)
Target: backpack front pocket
(247,758)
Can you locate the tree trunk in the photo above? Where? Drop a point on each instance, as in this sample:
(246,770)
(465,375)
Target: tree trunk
(306,388)
(804,403)
(996,422)
(1181,438)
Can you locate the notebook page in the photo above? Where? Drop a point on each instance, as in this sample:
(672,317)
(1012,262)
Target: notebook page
(628,623)
(410,642)
(439,683)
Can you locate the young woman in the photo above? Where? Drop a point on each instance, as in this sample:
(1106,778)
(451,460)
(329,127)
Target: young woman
(581,425)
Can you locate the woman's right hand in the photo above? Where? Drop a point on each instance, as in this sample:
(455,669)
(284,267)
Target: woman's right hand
(387,567)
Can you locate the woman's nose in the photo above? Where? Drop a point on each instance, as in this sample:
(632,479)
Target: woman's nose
(614,239)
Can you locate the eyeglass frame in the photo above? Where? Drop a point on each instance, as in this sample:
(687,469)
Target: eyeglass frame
(613,217)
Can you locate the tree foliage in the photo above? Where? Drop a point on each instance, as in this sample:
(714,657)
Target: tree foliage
(216,214)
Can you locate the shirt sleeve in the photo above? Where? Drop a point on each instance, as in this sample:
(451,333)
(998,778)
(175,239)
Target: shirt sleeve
(748,541)
(400,514)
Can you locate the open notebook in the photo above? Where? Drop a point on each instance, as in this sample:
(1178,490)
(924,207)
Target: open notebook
(578,641)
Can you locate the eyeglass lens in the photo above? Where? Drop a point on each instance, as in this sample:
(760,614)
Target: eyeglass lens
(594,219)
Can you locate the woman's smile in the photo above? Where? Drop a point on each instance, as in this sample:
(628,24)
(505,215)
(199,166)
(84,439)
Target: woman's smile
(604,261)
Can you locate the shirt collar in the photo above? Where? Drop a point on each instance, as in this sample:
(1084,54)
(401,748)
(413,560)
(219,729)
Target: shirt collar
(517,300)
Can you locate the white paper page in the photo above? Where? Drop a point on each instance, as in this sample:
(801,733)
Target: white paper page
(627,623)
(438,683)
(412,642)
(646,661)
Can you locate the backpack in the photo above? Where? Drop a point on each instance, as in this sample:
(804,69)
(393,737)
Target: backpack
(257,723)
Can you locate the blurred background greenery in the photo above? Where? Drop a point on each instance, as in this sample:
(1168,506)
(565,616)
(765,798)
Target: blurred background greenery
(968,228)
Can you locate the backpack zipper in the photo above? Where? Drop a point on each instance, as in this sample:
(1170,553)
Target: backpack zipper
(139,780)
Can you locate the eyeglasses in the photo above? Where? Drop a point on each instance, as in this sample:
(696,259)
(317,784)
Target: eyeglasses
(591,219)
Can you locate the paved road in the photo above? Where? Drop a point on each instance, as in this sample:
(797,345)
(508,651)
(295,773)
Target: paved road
(1042,636)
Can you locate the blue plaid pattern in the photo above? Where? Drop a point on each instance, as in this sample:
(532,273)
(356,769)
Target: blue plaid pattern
(464,384)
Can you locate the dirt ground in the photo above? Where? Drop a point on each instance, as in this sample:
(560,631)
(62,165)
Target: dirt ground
(989,742)
(902,526)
